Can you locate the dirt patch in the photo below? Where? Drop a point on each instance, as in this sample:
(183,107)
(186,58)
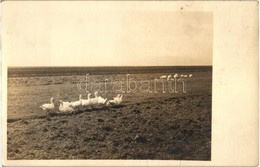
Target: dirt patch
(167,128)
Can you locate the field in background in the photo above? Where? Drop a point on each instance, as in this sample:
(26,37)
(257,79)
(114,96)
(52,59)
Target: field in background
(68,71)
(26,91)
(150,125)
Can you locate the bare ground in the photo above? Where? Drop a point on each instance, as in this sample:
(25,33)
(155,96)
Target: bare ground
(164,128)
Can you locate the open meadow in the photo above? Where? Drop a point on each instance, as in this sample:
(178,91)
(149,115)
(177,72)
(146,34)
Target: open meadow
(155,124)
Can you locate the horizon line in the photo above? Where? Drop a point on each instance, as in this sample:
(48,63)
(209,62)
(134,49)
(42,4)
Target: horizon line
(105,66)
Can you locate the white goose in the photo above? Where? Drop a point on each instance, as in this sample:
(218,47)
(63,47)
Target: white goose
(175,76)
(77,104)
(65,103)
(190,75)
(48,106)
(64,108)
(169,77)
(101,100)
(86,103)
(117,100)
(94,101)
(163,77)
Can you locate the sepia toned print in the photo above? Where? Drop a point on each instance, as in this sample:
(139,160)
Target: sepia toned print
(124,91)
(129,83)
(135,120)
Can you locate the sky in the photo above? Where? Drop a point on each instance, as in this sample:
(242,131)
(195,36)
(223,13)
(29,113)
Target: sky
(51,34)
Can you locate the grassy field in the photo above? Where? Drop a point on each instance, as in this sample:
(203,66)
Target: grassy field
(146,125)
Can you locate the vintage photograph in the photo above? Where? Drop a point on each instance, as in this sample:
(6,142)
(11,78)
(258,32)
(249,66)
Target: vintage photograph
(109,84)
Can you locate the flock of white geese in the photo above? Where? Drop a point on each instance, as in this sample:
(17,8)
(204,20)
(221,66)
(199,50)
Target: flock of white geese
(97,100)
(175,76)
(82,103)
